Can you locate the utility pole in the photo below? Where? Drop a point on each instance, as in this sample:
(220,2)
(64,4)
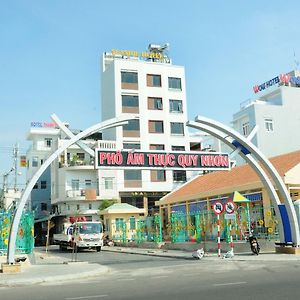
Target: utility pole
(15,157)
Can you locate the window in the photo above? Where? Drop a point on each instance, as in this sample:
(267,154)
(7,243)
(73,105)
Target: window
(78,206)
(132,223)
(157,147)
(178,148)
(132,175)
(90,206)
(119,224)
(175,105)
(48,142)
(132,129)
(158,175)
(156,126)
(43,184)
(75,184)
(131,146)
(179,175)
(80,156)
(155,103)
(35,161)
(177,128)
(108,183)
(44,206)
(130,104)
(246,128)
(129,80)
(35,186)
(174,83)
(269,124)
(153,80)
(88,183)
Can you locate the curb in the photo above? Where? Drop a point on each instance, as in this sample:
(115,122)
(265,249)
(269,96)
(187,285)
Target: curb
(14,281)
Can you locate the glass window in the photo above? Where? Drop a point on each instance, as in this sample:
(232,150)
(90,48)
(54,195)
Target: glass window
(178,148)
(157,147)
(132,223)
(80,156)
(48,142)
(175,106)
(75,184)
(246,128)
(43,184)
(119,224)
(174,83)
(90,206)
(131,146)
(179,175)
(88,183)
(158,175)
(44,206)
(153,80)
(156,126)
(177,128)
(132,175)
(130,101)
(78,206)
(155,103)
(132,125)
(108,183)
(269,124)
(35,161)
(129,77)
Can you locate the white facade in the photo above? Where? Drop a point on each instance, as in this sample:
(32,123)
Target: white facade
(155,91)
(277,113)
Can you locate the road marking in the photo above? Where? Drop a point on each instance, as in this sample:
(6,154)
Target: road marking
(86,297)
(126,279)
(158,277)
(229,283)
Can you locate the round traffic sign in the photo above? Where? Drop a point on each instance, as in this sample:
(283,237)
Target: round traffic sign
(218,208)
(230,207)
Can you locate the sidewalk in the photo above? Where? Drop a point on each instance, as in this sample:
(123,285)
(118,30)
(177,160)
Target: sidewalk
(44,267)
(263,256)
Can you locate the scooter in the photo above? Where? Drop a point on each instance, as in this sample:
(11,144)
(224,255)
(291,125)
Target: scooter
(254,244)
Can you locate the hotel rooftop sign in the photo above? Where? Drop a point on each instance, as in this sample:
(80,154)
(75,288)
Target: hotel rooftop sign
(162,160)
(133,53)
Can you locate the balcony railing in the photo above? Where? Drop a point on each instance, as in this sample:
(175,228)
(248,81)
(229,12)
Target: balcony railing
(83,194)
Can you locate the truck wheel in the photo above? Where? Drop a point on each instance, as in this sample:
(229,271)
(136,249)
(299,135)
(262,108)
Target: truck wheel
(98,249)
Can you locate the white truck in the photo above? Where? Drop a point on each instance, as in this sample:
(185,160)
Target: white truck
(82,235)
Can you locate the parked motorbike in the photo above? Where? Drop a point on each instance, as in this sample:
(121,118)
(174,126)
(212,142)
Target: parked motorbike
(254,244)
(108,242)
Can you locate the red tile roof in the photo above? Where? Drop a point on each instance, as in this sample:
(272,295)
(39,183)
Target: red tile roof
(237,177)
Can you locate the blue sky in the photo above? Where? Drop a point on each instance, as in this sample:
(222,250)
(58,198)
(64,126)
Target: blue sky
(50,55)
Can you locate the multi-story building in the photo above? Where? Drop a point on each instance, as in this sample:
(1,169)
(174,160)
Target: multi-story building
(149,86)
(277,114)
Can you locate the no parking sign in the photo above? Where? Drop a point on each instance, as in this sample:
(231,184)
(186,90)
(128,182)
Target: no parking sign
(218,208)
(230,207)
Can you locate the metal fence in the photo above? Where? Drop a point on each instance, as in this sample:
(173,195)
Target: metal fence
(199,226)
(202,226)
(25,237)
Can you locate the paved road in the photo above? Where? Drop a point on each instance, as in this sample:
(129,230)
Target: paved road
(143,277)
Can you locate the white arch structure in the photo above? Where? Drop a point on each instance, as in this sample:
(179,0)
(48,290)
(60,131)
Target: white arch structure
(255,158)
(74,139)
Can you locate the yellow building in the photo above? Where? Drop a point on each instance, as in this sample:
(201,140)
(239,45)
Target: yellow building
(120,221)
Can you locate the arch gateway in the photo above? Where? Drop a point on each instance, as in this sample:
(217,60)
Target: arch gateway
(232,138)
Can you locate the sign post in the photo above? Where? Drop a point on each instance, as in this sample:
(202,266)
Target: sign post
(230,208)
(218,209)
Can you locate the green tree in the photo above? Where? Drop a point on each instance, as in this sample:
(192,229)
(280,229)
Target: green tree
(106,203)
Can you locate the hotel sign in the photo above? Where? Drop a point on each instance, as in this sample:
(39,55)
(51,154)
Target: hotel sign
(132,53)
(162,160)
(282,78)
